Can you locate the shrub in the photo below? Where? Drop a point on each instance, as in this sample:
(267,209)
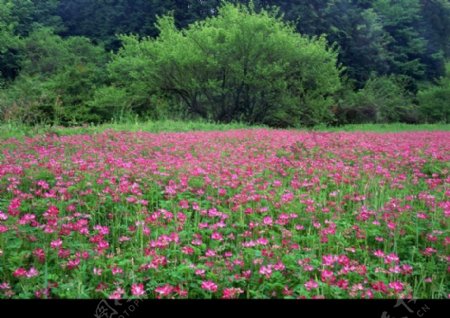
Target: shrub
(381,100)
(239,65)
(434,101)
(58,77)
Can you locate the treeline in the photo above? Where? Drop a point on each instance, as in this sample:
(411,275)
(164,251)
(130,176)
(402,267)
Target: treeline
(299,63)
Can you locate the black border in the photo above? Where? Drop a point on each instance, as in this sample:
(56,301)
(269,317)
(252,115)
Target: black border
(228,308)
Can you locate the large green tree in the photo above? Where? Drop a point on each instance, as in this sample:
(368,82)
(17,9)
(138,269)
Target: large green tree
(434,100)
(58,77)
(377,37)
(9,42)
(30,14)
(239,65)
(103,20)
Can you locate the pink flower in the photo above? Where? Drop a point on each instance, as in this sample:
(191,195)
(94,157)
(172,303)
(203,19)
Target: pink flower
(429,251)
(20,272)
(98,271)
(391,225)
(39,254)
(379,253)
(116,270)
(137,289)
(326,275)
(117,294)
(266,271)
(391,258)
(103,230)
(196,242)
(230,293)
(200,272)
(311,284)
(422,216)
(209,286)
(267,220)
(343,260)
(165,290)
(328,260)
(124,239)
(396,286)
(262,241)
(379,286)
(187,250)
(217,236)
(210,253)
(32,272)
(407,269)
(56,244)
(72,264)
(279,266)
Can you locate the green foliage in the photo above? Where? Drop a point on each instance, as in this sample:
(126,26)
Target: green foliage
(102,20)
(28,100)
(110,102)
(406,44)
(361,37)
(381,100)
(7,26)
(16,129)
(58,77)
(32,14)
(222,68)
(434,101)
(382,37)
(239,65)
(9,42)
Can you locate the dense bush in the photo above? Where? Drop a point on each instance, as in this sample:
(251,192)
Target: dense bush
(382,100)
(9,43)
(58,77)
(434,101)
(240,65)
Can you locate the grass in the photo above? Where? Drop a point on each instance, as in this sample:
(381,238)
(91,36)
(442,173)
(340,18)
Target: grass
(17,130)
(398,127)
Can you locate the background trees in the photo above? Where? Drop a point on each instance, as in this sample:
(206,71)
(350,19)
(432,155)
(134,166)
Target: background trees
(57,78)
(237,65)
(434,100)
(405,41)
(9,43)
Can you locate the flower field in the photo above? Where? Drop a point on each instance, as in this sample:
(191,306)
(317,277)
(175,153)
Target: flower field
(235,214)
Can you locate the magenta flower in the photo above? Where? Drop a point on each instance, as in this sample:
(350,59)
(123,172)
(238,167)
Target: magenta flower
(32,272)
(396,286)
(326,275)
(137,290)
(20,272)
(164,290)
(217,236)
(209,286)
(231,293)
(311,284)
(266,271)
(267,220)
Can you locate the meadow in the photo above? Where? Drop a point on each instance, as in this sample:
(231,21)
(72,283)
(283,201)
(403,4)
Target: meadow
(197,210)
